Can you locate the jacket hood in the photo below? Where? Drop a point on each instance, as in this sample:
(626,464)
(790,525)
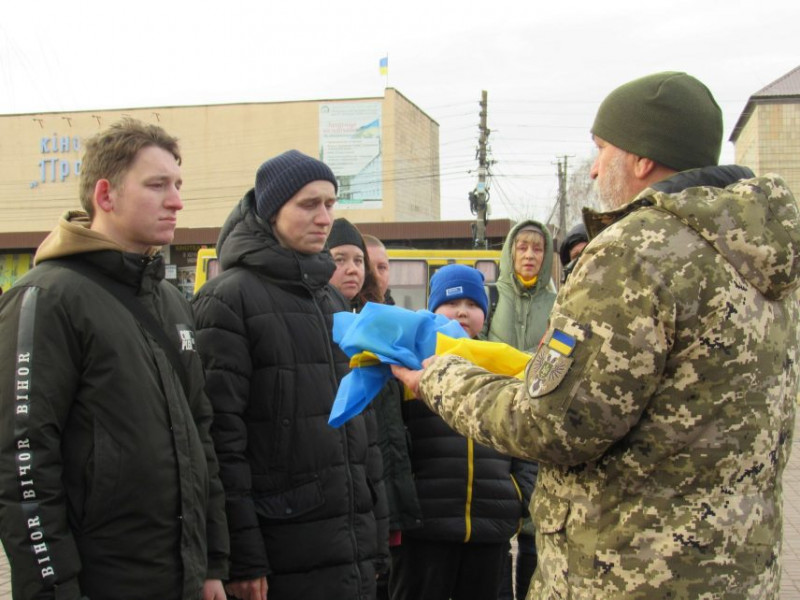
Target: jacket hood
(248,241)
(73,236)
(575,235)
(507,276)
(752,222)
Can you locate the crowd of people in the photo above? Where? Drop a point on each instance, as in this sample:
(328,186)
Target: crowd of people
(156,448)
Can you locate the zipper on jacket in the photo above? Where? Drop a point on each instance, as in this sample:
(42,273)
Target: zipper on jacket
(521,500)
(470,481)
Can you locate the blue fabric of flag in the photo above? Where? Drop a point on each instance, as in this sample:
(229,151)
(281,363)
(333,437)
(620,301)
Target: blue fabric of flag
(396,336)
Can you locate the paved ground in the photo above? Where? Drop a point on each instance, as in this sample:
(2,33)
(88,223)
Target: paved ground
(5,578)
(790,583)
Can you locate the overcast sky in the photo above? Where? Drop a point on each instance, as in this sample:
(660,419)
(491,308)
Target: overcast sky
(545,65)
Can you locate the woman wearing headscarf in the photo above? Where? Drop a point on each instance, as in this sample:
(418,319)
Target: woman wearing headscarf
(525,296)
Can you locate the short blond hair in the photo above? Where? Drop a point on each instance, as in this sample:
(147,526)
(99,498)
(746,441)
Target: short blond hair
(528,235)
(110,154)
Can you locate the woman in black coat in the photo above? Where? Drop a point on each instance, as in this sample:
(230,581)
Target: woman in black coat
(357,282)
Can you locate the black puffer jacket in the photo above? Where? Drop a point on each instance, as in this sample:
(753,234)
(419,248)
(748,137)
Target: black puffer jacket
(468,492)
(393,441)
(302,497)
(401,493)
(120,494)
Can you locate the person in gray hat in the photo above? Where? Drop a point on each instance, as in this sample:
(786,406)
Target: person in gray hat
(660,404)
(305,501)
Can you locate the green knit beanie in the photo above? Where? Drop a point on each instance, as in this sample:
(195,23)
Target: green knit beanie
(668,117)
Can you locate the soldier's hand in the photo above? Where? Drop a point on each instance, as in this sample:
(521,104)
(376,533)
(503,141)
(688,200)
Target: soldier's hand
(409,377)
(428,361)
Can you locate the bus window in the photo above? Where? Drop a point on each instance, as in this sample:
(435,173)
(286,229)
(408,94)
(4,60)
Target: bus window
(212,268)
(408,281)
(207,267)
(489,269)
(409,275)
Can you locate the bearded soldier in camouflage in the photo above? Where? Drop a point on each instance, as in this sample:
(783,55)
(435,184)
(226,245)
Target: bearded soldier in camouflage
(660,404)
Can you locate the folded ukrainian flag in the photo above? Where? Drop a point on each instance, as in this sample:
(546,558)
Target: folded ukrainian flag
(381,335)
(493,356)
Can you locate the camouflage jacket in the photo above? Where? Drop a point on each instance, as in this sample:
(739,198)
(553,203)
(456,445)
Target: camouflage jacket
(661,402)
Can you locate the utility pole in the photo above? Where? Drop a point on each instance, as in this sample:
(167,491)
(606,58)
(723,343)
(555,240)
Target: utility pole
(479,197)
(562,199)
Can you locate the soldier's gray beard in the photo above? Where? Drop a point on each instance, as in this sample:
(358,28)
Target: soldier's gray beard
(611,189)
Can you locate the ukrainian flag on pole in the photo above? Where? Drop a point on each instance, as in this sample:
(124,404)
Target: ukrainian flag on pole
(384,65)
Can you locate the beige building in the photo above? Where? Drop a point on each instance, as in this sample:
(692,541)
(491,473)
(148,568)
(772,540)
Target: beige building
(767,135)
(383,150)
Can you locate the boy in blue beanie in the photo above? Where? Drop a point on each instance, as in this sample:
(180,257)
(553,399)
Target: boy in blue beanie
(472,497)
(457,292)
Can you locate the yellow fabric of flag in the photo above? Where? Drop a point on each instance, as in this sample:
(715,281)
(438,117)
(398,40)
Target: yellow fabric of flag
(493,356)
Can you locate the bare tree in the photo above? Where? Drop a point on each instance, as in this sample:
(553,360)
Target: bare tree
(580,191)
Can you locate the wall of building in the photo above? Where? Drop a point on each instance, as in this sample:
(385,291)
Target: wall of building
(779,132)
(410,166)
(770,141)
(747,146)
(364,140)
(383,150)
(415,176)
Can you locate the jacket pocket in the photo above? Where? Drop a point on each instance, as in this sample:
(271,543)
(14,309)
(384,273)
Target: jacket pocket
(291,503)
(549,512)
(285,403)
(102,474)
(574,541)
(373,493)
